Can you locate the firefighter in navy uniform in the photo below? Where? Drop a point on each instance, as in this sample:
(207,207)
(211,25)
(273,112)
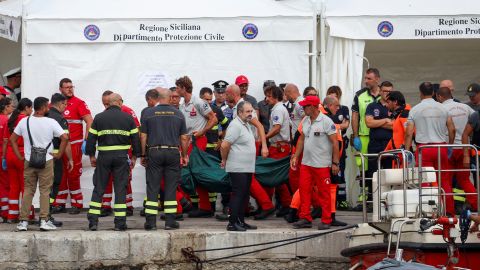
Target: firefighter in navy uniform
(116,132)
(58,104)
(161,157)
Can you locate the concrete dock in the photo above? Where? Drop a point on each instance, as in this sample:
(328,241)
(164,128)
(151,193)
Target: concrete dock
(74,247)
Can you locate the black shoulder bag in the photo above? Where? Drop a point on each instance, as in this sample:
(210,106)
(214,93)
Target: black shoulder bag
(38,155)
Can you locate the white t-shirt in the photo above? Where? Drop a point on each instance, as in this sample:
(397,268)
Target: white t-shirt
(42,129)
(459,113)
(430,119)
(297,115)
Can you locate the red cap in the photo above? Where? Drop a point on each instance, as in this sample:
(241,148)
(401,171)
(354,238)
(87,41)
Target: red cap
(241,80)
(3,91)
(310,100)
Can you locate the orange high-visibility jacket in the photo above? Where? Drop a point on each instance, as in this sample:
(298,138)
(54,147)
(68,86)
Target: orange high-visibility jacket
(399,127)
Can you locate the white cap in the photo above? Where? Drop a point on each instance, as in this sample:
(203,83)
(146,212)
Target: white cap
(12,72)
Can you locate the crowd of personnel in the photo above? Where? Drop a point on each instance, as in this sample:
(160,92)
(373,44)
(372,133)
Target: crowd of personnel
(230,124)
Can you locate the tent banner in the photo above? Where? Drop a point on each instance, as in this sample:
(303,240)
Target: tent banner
(172,30)
(412,27)
(9,27)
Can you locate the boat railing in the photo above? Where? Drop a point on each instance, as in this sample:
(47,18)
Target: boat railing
(441,194)
(391,153)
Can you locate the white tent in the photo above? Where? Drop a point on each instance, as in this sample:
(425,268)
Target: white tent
(408,41)
(130,46)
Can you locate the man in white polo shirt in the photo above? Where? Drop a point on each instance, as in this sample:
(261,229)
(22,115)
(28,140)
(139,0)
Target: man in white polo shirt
(460,113)
(238,158)
(431,123)
(319,145)
(199,118)
(279,138)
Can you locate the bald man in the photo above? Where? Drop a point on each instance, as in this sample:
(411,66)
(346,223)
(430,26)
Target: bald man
(449,84)
(115,132)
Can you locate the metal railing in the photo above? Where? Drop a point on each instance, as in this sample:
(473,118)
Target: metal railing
(439,170)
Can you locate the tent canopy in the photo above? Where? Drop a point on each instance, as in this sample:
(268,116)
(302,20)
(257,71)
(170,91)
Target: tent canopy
(428,19)
(12,8)
(147,9)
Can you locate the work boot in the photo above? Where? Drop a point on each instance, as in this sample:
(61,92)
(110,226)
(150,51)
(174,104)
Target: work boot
(302,223)
(74,211)
(292,216)
(200,213)
(105,212)
(264,214)
(337,223)
(282,211)
(120,224)
(92,224)
(316,212)
(150,223)
(58,209)
(224,215)
(170,223)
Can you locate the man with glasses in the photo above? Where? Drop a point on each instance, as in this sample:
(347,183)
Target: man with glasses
(378,119)
(174,97)
(76,113)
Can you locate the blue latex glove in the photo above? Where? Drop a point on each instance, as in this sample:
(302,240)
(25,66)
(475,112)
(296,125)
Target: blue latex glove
(449,152)
(84,146)
(4,164)
(357,144)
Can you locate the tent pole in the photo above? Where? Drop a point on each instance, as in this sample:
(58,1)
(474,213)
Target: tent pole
(313,48)
(322,39)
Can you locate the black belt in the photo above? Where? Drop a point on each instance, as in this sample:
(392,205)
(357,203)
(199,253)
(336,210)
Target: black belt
(163,147)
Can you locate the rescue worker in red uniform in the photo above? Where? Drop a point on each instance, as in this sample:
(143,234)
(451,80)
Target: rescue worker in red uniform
(15,166)
(319,145)
(279,137)
(76,113)
(199,118)
(6,109)
(107,196)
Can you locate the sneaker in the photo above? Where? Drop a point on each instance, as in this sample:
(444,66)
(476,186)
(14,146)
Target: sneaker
(171,225)
(121,228)
(47,225)
(323,226)
(55,222)
(22,226)
(58,209)
(74,211)
(302,223)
